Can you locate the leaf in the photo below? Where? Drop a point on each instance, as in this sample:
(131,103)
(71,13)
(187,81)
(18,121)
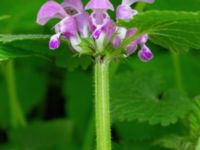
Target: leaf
(176,142)
(3,17)
(6,54)
(11,38)
(37,45)
(49,135)
(78,91)
(140,96)
(169,29)
(31,87)
(144,131)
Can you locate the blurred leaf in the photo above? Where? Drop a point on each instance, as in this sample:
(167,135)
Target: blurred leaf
(11,38)
(169,29)
(176,143)
(31,86)
(135,131)
(6,54)
(3,17)
(52,135)
(162,64)
(78,91)
(140,96)
(37,45)
(180,5)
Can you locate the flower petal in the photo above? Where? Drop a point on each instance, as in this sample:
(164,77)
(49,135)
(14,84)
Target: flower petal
(67,27)
(145,54)
(49,11)
(130,2)
(99,4)
(116,42)
(125,12)
(77,4)
(54,42)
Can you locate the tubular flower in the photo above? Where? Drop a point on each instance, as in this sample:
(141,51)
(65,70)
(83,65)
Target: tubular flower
(77,26)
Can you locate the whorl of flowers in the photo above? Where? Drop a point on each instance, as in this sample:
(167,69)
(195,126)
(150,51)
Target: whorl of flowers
(76,25)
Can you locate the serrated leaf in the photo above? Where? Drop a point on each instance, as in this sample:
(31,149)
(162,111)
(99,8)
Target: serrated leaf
(169,29)
(175,142)
(140,96)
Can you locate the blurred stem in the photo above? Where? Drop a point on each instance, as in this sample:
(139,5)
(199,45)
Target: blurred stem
(16,115)
(102,105)
(177,68)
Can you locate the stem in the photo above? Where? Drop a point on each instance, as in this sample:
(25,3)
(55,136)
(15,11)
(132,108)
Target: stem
(16,115)
(102,106)
(177,67)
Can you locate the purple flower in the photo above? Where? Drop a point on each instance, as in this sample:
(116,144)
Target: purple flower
(99,4)
(54,42)
(100,20)
(125,12)
(145,54)
(76,24)
(69,12)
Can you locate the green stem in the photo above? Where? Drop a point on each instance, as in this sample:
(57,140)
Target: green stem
(177,67)
(16,115)
(102,106)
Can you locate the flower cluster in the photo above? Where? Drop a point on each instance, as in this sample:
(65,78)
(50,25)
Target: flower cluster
(76,24)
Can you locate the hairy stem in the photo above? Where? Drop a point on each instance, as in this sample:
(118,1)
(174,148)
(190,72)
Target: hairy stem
(102,106)
(16,116)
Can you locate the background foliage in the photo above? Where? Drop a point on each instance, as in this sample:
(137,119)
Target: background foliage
(155,105)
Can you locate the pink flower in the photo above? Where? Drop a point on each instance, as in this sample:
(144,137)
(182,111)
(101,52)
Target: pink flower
(125,12)
(69,12)
(100,19)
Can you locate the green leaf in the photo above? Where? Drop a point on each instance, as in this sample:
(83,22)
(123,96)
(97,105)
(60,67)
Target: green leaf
(31,86)
(78,90)
(43,135)
(135,131)
(6,54)
(169,29)
(176,142)
(13,46)
(11,38)
(3,17)
(141,96)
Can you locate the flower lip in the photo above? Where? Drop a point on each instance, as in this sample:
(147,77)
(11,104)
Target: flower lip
(99,4)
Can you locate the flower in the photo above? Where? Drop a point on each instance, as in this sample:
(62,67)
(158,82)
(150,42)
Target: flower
(69,12)
(77,26)
(100,19)
(125,12)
